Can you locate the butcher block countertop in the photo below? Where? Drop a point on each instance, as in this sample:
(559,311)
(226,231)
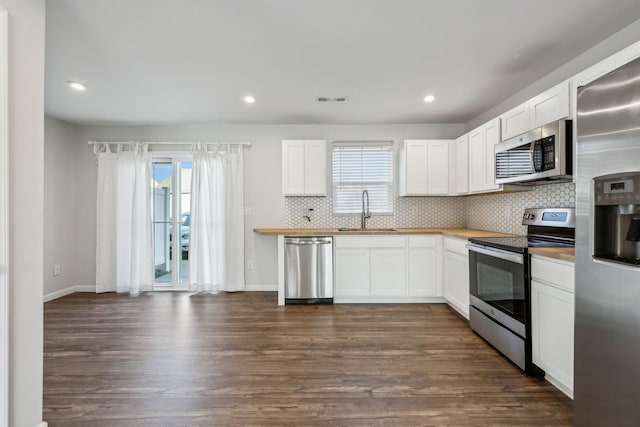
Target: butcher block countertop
(461,233)
(564,254)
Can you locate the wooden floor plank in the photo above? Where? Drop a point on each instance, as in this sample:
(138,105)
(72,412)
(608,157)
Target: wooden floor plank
(178,359)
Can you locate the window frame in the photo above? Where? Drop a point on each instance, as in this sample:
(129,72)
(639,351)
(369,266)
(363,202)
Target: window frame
(391,147)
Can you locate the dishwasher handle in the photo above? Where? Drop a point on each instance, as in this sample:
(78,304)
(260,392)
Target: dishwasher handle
(304,241)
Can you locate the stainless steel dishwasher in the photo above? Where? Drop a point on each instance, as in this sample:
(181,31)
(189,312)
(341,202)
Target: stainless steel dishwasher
(308,265)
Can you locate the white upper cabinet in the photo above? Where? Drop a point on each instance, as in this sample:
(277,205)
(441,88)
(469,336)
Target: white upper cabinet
(550,105)
(304,168)
(491,135)
(516,121)
(482,162)
(424,167)
(315,162)
(547,107)
(476,160)
(438,167)
(461,177)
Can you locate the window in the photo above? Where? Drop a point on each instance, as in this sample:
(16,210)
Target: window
(359,166)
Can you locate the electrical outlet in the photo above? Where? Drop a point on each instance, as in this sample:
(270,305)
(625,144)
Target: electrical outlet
(57,270)
(251,265)
(247,210)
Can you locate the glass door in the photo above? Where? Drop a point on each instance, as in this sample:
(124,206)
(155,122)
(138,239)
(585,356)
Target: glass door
(171,222)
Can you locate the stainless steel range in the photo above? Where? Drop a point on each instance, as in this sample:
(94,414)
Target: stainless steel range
(499,281)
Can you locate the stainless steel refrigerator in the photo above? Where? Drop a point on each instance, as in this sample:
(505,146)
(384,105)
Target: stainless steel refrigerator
(607,292)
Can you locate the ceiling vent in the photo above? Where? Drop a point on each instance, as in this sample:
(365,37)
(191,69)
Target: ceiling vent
(334,99)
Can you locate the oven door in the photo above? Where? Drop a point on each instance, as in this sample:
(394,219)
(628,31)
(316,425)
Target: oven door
(498,285)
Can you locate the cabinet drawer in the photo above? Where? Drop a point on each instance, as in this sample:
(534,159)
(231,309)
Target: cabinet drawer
(553,272)
(423,241)
(456,245)
(370,241)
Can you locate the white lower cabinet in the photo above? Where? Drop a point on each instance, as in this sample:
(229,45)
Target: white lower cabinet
(552,320)
(388,268)
(425,266)
(456,274)
(352,272)
(388,272)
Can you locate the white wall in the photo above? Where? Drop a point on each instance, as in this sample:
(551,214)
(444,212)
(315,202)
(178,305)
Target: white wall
(262,178)
(60,221)
(606,48)
(26,116)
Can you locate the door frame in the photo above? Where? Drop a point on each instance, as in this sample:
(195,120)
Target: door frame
(4,219)
(174,157)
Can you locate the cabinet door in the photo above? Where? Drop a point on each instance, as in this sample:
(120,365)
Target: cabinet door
(462,165)
(516,121)
(552,319)
(476,160)
(491,133)
(293,168)
(438,167)
(352,272)
(423,280)
(417,175)
(551,105)
(456,281)
(388,268)
(315,168)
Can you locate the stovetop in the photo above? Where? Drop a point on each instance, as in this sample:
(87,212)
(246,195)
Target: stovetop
(520,244)
(546,228)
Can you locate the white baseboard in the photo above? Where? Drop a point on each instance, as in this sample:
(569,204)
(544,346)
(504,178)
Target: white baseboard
(261,288)
(42,424)
(67,291)
(91,288)
(386,300)
(559,385)
(59,294)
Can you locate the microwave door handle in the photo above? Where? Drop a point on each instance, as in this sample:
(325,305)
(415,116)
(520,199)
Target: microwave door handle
(534,145)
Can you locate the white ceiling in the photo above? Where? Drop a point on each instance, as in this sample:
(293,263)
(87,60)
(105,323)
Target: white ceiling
(161,61)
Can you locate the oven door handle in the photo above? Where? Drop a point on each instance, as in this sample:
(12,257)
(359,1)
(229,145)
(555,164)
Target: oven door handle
(497,253)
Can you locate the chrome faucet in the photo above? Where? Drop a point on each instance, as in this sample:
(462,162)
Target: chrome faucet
(365,214)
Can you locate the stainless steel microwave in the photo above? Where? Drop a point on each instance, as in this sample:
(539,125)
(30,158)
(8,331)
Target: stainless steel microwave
(543,155)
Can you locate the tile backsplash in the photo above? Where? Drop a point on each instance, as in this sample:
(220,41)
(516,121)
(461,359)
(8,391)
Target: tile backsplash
(503,212)
(408,212)
(495,212)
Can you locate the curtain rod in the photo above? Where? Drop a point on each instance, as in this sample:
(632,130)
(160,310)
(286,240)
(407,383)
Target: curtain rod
(245,143)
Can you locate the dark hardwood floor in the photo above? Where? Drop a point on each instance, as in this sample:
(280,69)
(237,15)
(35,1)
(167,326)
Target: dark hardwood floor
(178,359)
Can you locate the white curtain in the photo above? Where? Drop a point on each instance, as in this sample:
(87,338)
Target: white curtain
(124,257)
(216,253)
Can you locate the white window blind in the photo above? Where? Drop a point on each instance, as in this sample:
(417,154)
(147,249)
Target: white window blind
(358,167)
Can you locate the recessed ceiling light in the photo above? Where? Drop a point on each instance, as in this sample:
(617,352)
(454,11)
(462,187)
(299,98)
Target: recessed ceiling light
(77,85)
(249,99)
(429,98)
